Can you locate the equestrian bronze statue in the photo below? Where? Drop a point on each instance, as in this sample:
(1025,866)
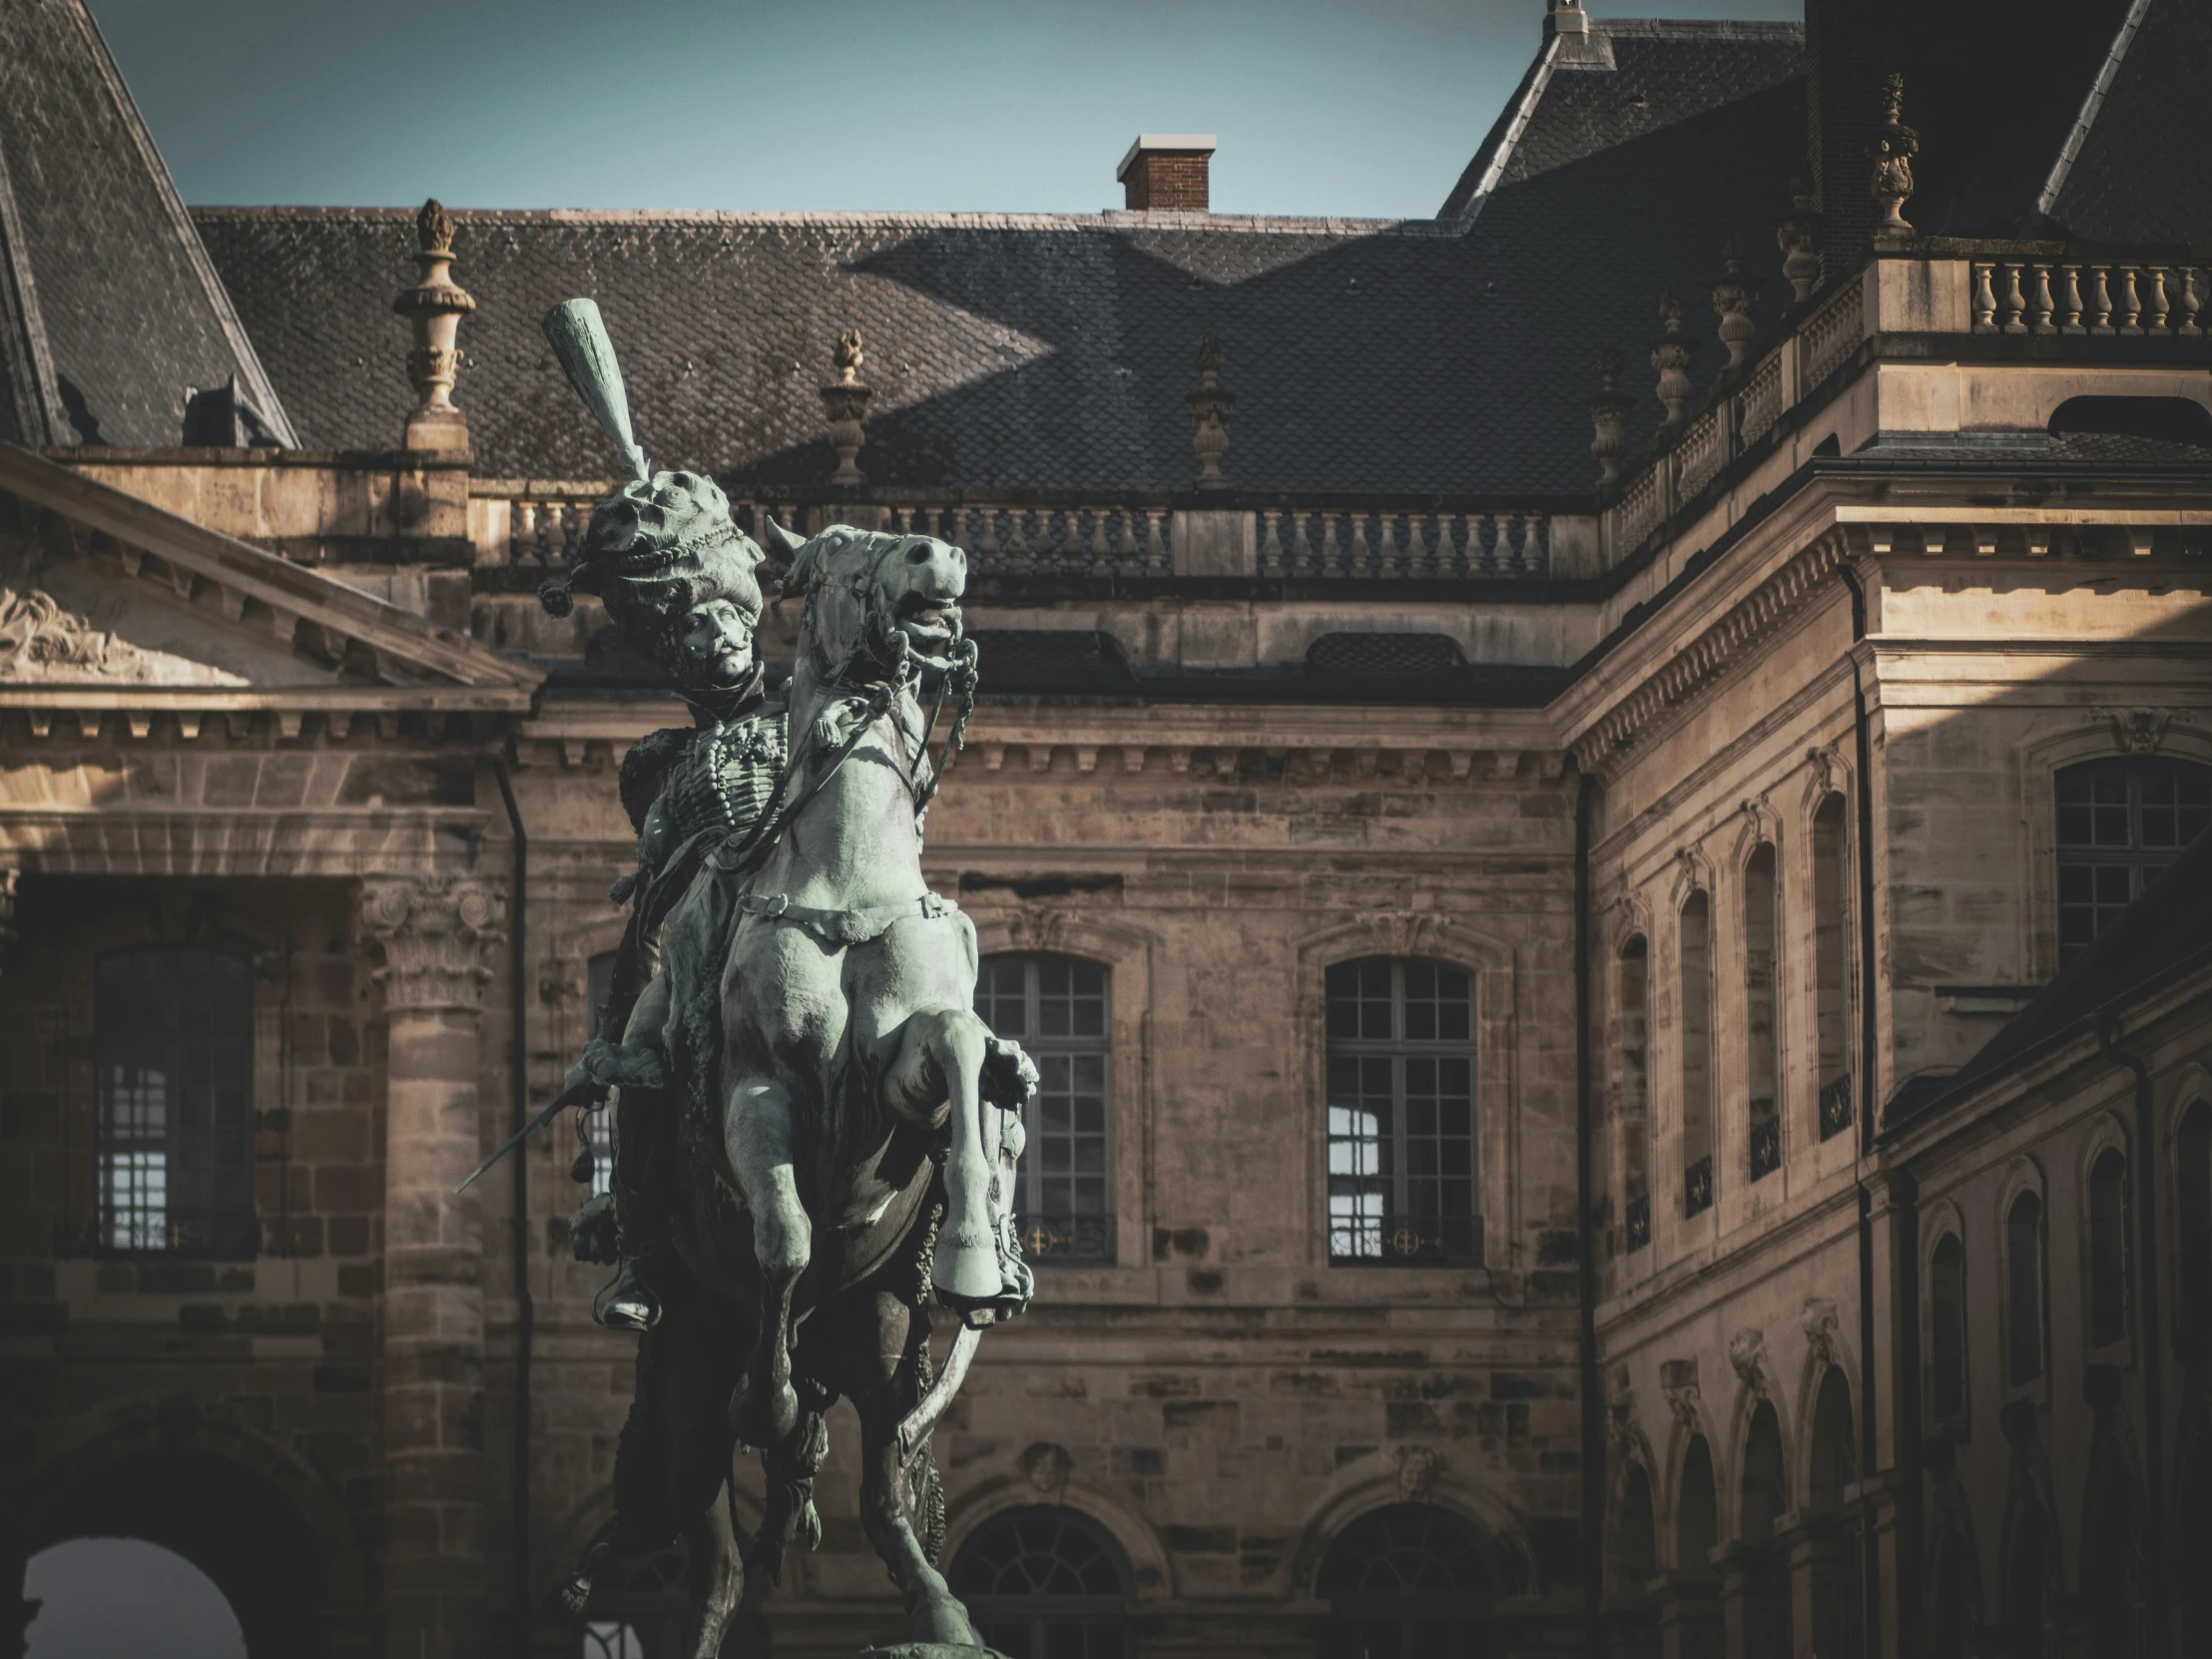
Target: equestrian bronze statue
(815,1135)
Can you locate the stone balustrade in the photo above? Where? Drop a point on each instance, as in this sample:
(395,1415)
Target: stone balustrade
(1935,287)
(2076,296)
(530,526)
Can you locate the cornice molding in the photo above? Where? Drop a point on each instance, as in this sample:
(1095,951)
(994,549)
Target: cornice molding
(1754,619)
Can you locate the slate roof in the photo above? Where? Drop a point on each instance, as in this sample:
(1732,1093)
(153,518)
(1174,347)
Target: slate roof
(2165,931)
(109,307)
(1054,351)
(2142,167)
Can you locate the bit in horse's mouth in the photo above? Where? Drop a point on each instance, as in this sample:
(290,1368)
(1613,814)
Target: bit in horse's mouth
(927,620)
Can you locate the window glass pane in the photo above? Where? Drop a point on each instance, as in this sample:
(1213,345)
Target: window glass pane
(2024,1268)
(1401,1157)
(1057,1008)
(173,1033)
(2120,823)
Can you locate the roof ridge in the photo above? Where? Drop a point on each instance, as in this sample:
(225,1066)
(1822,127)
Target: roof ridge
(1503,137)
(1697,28)
(1115,218)
(259,384)
(2092,104)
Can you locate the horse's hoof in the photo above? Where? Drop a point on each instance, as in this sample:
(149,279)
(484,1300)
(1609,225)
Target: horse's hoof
(574,1595)
(964,1268)
(762,1423)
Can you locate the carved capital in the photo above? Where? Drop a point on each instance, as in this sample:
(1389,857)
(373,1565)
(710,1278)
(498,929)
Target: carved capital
(434,934)
(1822,1329)
(1746,1352)
(1678,1382)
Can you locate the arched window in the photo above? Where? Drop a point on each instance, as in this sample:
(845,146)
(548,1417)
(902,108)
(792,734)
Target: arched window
(599,1123)
(1632,1090)
(1045,1582)
(174,1038)
(2024,1346)
(1401,1146)
(1696,975)
(1830,966)
(1409,1582)
(172,1606)
(1635,1539)
(1060,1009)
(2193,1232)
(1765,1498)
(2108,1252)
(2120,822)
(1697,1524)
(1946,1336)
(1763,1059)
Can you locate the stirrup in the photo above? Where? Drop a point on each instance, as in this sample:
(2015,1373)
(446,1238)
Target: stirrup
(626,1302)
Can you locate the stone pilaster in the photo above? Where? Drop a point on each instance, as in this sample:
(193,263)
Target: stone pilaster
(1688,1614)
(434,937)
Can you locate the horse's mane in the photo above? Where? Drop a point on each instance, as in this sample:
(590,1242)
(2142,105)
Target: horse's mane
(810,565)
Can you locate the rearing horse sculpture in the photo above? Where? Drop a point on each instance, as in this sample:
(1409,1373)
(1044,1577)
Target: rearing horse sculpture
(855,1147)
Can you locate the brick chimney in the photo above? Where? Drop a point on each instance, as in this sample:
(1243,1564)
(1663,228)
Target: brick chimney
(1167,170)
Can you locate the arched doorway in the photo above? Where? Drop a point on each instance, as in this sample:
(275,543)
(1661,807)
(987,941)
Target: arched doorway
(1045,1583)
(1410,1581)
(1697,1533)
(1634,1564)
(101,1596)
(1838,1597)
(228,1522)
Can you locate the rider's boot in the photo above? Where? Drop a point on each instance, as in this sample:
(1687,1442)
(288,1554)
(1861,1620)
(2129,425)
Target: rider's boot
(628,1302)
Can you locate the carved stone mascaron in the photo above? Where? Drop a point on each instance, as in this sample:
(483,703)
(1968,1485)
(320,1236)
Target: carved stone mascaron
(435,933)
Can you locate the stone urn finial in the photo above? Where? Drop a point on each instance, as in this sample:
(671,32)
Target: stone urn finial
(1892,151)
(1609,416)
(1734,295)
(435,306)
(1211,406)
(1670,360)
(845,405)
(1798,233)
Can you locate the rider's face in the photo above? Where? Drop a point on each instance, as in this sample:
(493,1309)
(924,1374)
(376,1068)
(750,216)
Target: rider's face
(717,642)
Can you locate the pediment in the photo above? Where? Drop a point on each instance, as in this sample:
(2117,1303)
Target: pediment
(107,598)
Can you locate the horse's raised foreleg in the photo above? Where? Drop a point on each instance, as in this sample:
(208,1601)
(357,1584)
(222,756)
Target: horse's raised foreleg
(758,1131)
(940,1060)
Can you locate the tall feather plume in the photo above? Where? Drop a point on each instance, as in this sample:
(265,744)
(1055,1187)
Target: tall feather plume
(578,336)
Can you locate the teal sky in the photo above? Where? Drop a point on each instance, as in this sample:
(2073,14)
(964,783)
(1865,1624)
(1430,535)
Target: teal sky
(1357,107)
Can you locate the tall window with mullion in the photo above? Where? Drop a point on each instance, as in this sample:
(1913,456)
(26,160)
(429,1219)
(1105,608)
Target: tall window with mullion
(173,1035)
(1402,1145)
(2120,823)
(1059,1008)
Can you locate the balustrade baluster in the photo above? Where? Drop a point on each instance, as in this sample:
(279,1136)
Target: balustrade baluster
(2155,304)
(2189,302)
(2100,301)
(986,535)
(2129,308)
(1302,546)
(2040,322)
(1985,299)
(2069,317)
(522,531)
(1490,535)
(2014,305)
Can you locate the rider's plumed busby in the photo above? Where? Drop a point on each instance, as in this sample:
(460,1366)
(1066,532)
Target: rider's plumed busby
(654,550)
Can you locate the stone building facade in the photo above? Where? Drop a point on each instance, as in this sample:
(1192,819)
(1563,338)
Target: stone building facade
(1622,1069)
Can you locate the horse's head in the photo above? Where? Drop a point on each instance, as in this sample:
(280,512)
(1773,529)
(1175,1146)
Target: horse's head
(866,591)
